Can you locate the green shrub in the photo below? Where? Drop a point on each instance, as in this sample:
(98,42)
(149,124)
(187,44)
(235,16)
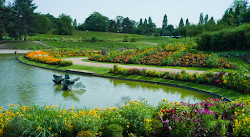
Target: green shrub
(228,39)
(113,130)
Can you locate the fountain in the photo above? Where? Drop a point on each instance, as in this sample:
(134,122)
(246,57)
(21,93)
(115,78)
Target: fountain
(67,83)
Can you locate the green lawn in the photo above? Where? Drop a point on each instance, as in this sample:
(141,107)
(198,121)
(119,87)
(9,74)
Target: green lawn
(98,45)
(27,45)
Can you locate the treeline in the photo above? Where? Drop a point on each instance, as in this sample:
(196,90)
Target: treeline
(18,20)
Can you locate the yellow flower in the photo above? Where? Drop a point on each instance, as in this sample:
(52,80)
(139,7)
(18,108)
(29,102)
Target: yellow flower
(49,128)
(72,108)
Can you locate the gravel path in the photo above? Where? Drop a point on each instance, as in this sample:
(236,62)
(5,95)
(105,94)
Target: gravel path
(79,61)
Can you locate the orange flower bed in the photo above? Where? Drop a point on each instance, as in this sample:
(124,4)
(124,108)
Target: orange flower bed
(44,57)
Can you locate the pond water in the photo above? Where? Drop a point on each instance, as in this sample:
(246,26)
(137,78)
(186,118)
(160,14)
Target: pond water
(27,85)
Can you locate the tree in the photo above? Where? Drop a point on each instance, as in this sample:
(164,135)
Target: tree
(112,25)
(201,20)
(165,22)
(181,24)
(25,17)
(75,24)
(229,18)
(187,22)
(64,25)
(2,30)
(97,22)
(246,16)
(206,19)
(151,26)
(44,24)
(211,25)
(163,31)
(170,29)
(118,26)
(127,25)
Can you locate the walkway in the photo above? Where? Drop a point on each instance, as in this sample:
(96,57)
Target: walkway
(79,61)
(12,51)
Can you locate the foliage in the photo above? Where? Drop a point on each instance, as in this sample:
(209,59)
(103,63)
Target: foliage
(44,57)
(63,25)
(169,55)
(228,39)
(96,22)
(242,56)
(237,81)
(212,117)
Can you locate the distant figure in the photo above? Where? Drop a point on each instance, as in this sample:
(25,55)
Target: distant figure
(80,39)
(62,38)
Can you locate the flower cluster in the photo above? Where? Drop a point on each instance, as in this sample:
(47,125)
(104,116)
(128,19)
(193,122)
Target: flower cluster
(44,57)
(237,81)
(170,55)
(71,52)
(212,117)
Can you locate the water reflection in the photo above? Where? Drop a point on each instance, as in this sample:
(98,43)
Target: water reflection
(26,85)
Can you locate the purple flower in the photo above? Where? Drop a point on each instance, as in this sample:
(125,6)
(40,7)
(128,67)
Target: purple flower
(165,122)
(169,128)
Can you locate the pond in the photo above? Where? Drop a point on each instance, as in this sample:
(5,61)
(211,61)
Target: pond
(27,85)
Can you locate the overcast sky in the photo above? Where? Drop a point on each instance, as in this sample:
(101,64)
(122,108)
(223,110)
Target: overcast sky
(136,9)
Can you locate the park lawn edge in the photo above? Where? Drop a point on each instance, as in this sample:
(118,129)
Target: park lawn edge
(104,72)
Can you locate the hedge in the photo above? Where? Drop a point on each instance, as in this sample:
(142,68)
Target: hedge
(228,39)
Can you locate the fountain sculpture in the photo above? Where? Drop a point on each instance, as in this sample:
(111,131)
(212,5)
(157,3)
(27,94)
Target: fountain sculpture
(67,83)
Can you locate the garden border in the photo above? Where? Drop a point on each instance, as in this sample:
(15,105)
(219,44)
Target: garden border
(146,81)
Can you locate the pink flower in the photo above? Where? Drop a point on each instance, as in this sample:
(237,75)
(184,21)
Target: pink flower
(218,81)
(165,122)
(169,128)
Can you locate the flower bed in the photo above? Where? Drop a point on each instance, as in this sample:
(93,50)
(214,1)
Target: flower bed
(170,55)
(71,52)
(44,57)
(237,81)
(212,117)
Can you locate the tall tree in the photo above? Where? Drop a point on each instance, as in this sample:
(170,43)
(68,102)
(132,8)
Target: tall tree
(201,20)
(206,19)
(75,24)
(141,23)
(165,22)
(229,18)
(181,24)
(25,17)
(118,26)
(211,25)
(112,25)
(151,26)
(127,25)
(2,29)
(187,22)
(97,22)
(64,25)
(44,24)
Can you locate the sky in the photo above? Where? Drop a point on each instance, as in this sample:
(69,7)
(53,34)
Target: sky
(136,9)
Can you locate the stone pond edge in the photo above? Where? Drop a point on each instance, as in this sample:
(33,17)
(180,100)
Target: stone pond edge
(136,80)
